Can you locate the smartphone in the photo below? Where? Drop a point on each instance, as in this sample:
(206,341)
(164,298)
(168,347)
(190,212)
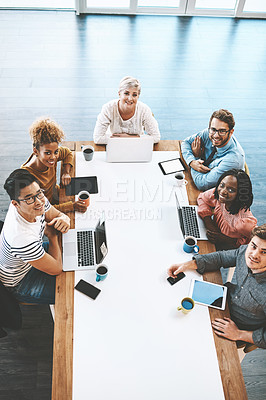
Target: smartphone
(180,276)
(88,289)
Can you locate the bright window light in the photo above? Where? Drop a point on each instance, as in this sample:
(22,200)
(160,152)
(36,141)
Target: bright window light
(38,3)
(108,3)
(255,6)
(158,3)
(220,4)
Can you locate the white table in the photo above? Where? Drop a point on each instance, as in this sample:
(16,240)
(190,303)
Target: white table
(131,342)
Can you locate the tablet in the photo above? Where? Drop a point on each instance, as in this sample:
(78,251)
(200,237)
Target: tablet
(88,183)
(171,166)
(208,294)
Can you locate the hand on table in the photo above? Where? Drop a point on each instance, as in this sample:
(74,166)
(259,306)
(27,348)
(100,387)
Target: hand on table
(197,147)
(197,165)
(182,267)
(226,328)
(65,179)
(60,223)
(125,135)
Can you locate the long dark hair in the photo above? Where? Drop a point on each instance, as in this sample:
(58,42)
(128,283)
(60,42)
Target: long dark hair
(244,197)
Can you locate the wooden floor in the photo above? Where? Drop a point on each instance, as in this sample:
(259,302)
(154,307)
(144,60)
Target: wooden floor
(67,67)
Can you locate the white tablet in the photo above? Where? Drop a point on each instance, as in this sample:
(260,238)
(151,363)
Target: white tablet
(208,294)
(171,166)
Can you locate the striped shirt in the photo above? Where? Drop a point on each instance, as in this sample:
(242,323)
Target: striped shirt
(20,243)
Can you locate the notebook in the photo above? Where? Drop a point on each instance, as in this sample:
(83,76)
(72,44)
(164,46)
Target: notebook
(190,223)
(84,248)
(134,149)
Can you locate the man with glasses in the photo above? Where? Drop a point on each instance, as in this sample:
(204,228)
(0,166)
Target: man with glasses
(26,269)
(213,151)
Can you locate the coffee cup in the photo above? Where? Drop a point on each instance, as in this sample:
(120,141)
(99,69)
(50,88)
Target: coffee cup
(84,196)
(190,245)
(101,272)
(187,304)
(87,152)
(180,179)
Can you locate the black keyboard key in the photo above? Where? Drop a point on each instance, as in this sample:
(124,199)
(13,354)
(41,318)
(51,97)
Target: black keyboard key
(85,248)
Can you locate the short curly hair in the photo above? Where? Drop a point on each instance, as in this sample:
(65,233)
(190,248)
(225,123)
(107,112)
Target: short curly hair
(44,130)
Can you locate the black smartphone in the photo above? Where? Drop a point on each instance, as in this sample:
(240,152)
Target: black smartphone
(88,289)
(180,276)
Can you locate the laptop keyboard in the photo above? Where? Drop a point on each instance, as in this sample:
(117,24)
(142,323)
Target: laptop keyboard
(85,248)
(190,222)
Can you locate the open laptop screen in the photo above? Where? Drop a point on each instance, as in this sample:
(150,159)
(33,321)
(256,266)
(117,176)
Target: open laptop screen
(100,242)
(180,216)
(129,149)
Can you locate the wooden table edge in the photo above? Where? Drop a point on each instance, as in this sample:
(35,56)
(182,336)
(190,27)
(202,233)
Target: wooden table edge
(62,373)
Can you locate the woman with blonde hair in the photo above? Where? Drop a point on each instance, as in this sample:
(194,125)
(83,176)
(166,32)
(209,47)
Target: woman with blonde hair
(125,116)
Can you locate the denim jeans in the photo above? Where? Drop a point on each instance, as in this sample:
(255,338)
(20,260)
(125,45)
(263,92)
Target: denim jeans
(36,286)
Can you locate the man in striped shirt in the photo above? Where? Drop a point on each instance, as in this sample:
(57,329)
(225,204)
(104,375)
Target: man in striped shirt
(26,269)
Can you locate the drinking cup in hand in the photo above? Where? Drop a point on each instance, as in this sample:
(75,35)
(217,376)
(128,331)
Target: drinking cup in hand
(84,196)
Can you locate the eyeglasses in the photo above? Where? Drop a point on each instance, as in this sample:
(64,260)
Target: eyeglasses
(32,199)
(221,132)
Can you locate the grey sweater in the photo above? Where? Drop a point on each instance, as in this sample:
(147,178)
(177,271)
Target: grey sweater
(247,299)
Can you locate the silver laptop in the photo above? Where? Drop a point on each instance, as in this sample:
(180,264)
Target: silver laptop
(84,248)
(134,149)
(190,222)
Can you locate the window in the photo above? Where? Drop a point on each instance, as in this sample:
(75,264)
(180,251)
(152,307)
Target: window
(51,4)
(108,3)
(233,8)
(158,3)
(255,6)
(216,4)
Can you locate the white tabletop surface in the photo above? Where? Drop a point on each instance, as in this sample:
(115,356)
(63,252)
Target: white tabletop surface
(131,342)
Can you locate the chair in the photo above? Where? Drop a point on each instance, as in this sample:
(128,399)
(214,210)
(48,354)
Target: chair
(246,169)
(243,348)
(10,313)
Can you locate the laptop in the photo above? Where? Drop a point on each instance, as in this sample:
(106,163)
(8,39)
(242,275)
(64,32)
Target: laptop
(134,149)
(190,223)
(84,248)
